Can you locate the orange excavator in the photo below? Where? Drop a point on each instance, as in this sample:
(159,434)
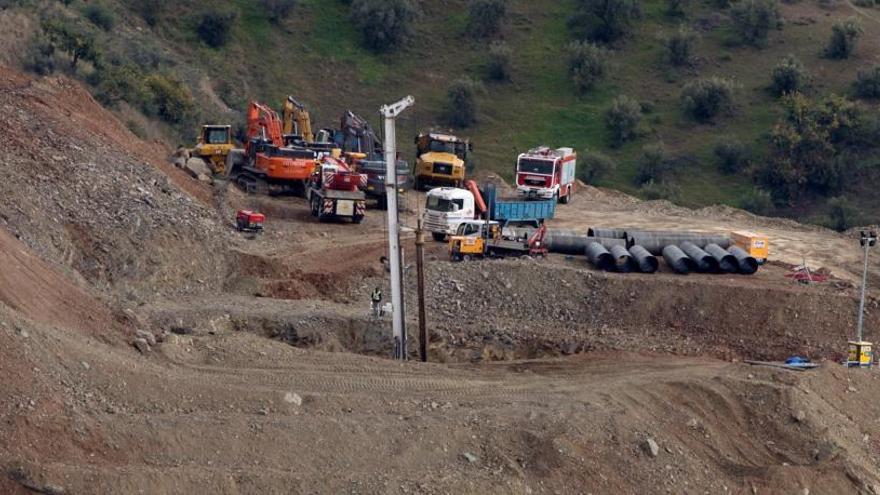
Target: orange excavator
(266,165)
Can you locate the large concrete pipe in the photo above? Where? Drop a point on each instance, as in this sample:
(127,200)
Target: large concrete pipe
(705,262)
(599,256)
(654,242)
(607,233)
(678,261)
(623,261)
(566,243)
(646,261)
(747,264)
(726,262)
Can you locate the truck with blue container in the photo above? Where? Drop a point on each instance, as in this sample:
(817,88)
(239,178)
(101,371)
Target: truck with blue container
(446,208)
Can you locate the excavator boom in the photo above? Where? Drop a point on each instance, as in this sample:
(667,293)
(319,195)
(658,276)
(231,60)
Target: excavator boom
(297,120)
(264,123)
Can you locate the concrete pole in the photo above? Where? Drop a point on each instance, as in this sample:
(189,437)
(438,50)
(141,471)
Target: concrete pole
(390,113)
(862,298)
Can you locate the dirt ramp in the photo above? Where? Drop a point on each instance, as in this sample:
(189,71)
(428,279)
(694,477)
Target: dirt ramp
(41,293)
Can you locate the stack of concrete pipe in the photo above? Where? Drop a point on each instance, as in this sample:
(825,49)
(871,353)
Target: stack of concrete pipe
(626,250)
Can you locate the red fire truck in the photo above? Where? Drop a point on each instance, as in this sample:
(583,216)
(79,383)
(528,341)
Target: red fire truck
(545,173)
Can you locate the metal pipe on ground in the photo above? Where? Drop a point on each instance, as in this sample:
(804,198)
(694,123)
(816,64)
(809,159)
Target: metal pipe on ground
(726,262)
(565,243)
(599,256)
(646,261)
(747,265)
(705,262)
(678,261)
(623,261)
(607,233)
(654,242)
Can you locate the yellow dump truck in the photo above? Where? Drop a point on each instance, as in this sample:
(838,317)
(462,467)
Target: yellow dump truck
(756,245)
(213,146)
(441,160)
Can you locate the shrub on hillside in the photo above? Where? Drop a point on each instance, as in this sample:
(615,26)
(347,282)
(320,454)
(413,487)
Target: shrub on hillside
(678,8)
(867,83)
(654,190)
(655,164)
(40,56)
(730,155)
(171,99)
(595,167)
(604,21)
(677,47)
(499,61)
(808,147)
(461,103)
(100,16)
(152,11)
(215,27)
(788,76)
(76,41)
(841,214)
(587,64)
(384,24)
(753,20)
(707,98)
(278,10)
(757,201)
(485,17)
(623,118)
(115,83)
(844,37)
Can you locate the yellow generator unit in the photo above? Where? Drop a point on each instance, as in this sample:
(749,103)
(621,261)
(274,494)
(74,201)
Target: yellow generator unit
(214,144)
(756,245)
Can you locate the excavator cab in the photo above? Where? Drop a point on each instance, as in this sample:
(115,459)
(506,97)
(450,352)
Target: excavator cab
(213,146)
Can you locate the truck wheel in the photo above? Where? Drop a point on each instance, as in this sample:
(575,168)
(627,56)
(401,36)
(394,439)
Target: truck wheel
(382,202)
(357,219)
(438,236)
(466,257)
(565,199)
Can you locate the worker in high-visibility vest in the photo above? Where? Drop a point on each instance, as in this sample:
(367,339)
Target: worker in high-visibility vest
(376,301)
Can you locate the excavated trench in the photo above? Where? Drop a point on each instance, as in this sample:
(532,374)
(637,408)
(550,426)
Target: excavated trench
(525,309)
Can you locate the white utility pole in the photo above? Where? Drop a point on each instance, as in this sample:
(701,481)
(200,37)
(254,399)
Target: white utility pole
(868,239)
(390,112)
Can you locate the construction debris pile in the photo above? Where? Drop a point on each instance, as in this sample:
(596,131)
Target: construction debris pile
(628,250)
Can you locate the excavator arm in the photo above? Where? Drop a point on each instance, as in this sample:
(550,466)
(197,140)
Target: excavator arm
(263,122)
(297,120)
(358,136)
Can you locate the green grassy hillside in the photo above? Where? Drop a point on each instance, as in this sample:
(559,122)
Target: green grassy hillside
(317,55)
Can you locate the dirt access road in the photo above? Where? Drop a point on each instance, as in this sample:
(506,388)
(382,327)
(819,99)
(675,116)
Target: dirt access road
(237,413)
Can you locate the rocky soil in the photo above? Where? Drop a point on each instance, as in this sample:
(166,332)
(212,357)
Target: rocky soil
(146,347)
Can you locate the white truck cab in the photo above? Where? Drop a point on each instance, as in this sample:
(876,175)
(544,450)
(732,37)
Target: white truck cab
(445,209)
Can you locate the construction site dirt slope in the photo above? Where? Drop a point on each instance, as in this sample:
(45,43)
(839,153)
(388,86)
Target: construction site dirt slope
(260,371)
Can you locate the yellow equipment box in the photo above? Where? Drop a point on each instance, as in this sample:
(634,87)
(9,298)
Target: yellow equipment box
(757,245)
(860,355)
